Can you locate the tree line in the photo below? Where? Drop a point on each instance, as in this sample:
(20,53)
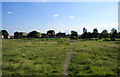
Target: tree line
(104,34)
(74,35)
(95,34)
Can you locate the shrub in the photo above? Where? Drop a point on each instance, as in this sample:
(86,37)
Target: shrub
(67,43)
(43,39)
(112,39)
(106,39)
(61,41)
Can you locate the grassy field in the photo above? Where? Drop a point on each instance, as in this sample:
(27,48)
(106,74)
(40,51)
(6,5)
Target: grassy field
(29,57)
(94,58)
(47,57)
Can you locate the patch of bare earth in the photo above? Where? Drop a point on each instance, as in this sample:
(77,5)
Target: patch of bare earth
(67,61)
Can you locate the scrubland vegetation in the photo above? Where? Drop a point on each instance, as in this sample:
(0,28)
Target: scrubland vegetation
(46,56)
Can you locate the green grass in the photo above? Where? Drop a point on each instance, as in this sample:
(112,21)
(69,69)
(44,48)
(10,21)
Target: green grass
(94,58)
(46,57)
(31,57)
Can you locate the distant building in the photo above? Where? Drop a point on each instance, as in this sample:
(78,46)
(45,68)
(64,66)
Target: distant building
(2,36)
(24,34)
(9,37)
(61,35)
(20,35)
(84,30)
(6,37)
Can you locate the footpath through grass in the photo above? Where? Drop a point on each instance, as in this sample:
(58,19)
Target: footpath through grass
(47,57)
(95,58)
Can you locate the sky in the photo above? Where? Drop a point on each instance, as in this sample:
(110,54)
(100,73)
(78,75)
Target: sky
(59,16)
(0,15)
(60,0)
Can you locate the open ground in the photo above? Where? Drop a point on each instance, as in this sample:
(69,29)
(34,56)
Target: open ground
(59,56)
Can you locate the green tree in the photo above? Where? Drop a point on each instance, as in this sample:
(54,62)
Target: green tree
(118,35)
(84,35)
(5,33)
(95,33)
(104,34)
(113,33)
(34,34)
(16,35)
(21,34)
(51,33)
(89,35)
(74,35)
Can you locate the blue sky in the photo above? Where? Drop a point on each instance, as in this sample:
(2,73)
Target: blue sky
(60,0)
(60,16)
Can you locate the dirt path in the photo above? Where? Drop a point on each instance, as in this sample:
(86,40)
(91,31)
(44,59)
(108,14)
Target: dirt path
(67,59)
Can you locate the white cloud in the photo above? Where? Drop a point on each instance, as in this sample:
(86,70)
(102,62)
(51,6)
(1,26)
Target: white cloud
(71,16)
(55,15)
(9,12)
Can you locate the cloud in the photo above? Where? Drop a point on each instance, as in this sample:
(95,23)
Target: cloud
(9,12)
(55,15)
(71,16)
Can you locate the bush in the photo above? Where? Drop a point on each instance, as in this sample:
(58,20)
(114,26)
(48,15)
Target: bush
(112,39)
(61,41)
(67,43)
(106,39)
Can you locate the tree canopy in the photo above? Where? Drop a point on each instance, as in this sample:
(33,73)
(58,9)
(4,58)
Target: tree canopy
(34,34)
(5,33)
(104,34)
(51,33)
(74,35)
(113,33)
(95,33)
